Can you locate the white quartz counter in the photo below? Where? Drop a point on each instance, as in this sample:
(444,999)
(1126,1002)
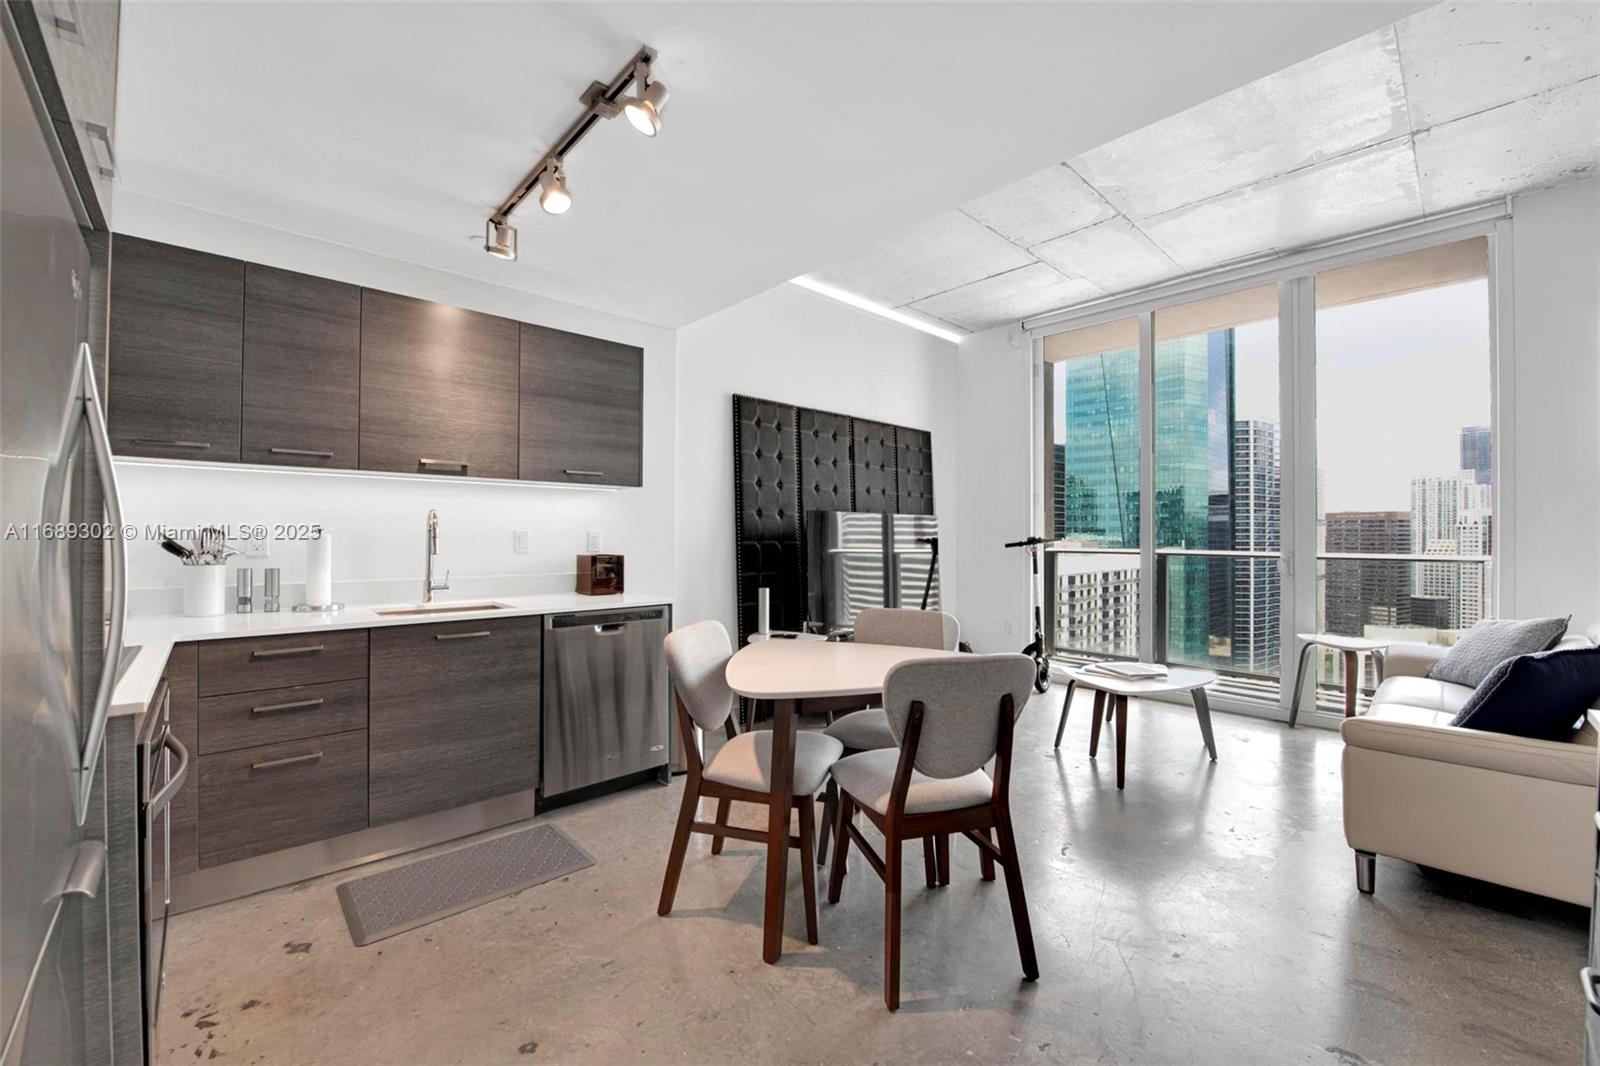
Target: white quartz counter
(156,634)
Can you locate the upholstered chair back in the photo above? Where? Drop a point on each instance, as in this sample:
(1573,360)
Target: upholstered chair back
(907,628)
(697,661)
(960,699)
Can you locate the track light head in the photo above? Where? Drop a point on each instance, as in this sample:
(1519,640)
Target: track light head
(500,239)
(553,194)
(644,110)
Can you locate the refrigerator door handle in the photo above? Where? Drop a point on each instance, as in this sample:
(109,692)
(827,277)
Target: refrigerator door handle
(100,440)
(161,799)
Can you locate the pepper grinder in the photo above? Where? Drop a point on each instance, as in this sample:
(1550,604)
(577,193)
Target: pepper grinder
(269,591)
(244,584)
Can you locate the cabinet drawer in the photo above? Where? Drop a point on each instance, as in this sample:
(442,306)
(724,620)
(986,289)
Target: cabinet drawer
(245,719)
(275,796)
(278,662)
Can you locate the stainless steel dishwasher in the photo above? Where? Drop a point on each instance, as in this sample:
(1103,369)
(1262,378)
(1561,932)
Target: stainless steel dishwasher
(605,699)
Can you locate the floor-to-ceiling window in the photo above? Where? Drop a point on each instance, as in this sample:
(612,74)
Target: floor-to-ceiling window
(1405,515)
(1385,407)
(1092,471)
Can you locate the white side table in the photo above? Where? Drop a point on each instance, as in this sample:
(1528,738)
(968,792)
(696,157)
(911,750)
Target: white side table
(1116,691)
(1352,648)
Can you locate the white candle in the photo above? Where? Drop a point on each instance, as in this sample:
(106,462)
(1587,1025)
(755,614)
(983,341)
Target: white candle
(319,570)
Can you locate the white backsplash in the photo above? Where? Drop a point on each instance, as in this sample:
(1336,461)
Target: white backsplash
(379,534)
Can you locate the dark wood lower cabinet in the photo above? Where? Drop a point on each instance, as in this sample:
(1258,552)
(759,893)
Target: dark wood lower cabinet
(183,681)
(276,796)
(453,714)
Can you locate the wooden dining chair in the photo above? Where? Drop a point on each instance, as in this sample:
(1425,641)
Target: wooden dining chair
(697,659)
(950,716)
(868,729)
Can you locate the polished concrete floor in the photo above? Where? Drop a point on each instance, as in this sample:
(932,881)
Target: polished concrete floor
(1206,914)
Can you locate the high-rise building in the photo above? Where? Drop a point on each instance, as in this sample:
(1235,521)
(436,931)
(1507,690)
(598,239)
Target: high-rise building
(1474,536)
(1257,488)
(1477,453)
(1097,602)
(1100,456)
(1367,592)
(1438,506)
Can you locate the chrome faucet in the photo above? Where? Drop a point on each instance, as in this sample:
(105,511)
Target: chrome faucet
(429,585)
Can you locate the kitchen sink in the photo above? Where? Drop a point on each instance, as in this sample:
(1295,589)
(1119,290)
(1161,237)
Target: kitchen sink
(414,609)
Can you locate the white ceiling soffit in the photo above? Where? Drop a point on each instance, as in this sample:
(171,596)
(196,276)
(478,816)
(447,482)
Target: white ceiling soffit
(1454,105)
(796,132)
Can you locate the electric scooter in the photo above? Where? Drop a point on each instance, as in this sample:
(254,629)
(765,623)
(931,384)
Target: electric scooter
(1035,648)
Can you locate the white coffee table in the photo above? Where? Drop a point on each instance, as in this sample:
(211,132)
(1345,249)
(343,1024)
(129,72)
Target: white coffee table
(1117,690)
(1352,648)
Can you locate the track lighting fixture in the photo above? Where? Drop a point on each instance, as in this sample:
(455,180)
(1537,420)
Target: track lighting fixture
(553,195)
(500,239)
(549,177)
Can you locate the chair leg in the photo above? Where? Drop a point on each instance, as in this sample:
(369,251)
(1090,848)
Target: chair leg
(830,805)
(1019,901)
(841,845)
(985,860)
(1366,872)
(941,847)
(1094,726)
(930,865)
(1066,705)
(891,921)
(722,819)
(808,865)
(680,845)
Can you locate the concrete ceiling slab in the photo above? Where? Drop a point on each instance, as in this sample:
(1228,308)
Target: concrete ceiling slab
(1462,58)
(1372,187)
(1548,139)
(1047,204)
(395,128)
(1344,99)
(943,253)
(1007,297)
(1114,255)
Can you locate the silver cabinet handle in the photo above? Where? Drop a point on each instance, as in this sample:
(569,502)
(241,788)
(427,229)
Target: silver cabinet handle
(609,628)
(117,548)
(192,445)
(108,169)
(444,462)
(308,452)
(475,634)
(159,801)
(279,653)
(293,705)
(584,473)
(291,760)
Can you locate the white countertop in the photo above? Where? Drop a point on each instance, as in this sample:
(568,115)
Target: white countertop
(156,634)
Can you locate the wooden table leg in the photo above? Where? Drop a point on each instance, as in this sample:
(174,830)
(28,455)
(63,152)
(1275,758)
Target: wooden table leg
(783,731)
(1122,737)
(1202,711)
(1094,722)
(1300,683)
(1066,705)
(1352,682)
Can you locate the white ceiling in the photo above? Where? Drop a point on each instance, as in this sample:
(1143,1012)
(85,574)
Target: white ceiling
(796,132)
(1454,105)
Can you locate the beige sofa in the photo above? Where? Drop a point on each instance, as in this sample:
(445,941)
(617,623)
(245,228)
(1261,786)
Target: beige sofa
(1501,808)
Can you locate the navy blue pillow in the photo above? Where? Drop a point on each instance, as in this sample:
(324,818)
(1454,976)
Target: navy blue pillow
(1542,695)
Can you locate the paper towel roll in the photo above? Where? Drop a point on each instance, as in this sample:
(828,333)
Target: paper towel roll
(319,570)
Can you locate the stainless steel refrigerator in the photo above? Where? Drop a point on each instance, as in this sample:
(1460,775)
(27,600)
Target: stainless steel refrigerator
(56,484)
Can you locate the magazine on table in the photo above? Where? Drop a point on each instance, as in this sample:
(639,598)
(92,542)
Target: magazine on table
(1128,671)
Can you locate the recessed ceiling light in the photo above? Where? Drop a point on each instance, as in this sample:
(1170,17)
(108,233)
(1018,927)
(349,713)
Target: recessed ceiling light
(873,308)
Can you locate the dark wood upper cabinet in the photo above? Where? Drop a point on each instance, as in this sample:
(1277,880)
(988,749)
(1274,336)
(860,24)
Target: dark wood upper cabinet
(176,352)
(454,714)
(438,388)
(582,418)
(302,370)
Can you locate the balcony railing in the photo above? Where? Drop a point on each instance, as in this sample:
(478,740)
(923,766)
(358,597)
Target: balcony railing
(1221,609)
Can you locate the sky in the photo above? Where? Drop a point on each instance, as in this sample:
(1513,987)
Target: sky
(1397,379)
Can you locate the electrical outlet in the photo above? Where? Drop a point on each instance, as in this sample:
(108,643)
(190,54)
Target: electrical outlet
(255,544)
(593,541)
(521,541)
(1011,628)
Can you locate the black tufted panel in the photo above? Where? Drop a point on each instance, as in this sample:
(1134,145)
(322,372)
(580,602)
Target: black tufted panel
(826,482)
(914,452)
(767,500)
(875,467)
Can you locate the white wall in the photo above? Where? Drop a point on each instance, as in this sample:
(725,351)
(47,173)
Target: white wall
(793,346)
(994,460)
(1555,464)
(377,521)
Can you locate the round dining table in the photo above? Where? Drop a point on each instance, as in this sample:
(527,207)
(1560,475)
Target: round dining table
(786,676)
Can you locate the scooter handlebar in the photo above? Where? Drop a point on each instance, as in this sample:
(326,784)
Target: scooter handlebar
(1030,542)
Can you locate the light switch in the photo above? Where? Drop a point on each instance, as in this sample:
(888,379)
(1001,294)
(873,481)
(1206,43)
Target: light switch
(594,541)
(521,541)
